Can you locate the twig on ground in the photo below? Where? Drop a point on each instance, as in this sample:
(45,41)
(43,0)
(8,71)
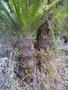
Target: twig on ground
(23,78)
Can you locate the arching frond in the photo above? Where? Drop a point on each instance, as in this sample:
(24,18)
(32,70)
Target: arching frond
(26,17)
(8,17)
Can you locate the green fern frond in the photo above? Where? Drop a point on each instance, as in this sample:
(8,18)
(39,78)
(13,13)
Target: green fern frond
(26,18)
(22,12)
(42,15)
(8,17)
(35,5)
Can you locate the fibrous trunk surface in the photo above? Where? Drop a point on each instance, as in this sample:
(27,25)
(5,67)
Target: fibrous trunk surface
(26,60)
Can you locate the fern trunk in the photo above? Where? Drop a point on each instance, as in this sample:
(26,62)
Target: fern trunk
(44,37)
(26,59)
(44,40)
